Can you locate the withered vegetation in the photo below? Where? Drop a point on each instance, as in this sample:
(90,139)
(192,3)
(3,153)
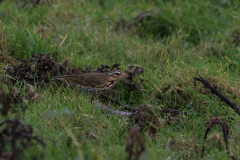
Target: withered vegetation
(134,144)
(146,119)
(36,69)
(15,136)
(213,122)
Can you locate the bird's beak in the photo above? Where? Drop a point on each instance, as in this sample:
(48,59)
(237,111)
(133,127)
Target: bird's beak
(125,76)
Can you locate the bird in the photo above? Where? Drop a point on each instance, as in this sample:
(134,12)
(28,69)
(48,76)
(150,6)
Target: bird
(95,82)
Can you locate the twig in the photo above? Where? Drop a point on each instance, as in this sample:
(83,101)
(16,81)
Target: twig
(64,38)
(49,2)
(219,94)
(121,113)
(213,122)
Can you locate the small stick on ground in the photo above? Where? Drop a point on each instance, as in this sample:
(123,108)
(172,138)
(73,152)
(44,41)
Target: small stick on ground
(121,113)
(49,2)
(213,122)
(219,94)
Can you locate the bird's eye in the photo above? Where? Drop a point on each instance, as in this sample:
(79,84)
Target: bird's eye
(117,74)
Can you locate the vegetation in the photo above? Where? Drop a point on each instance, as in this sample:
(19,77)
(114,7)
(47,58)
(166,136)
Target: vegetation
(172,40)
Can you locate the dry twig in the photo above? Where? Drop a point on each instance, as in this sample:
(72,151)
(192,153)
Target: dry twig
(224,126)
(219,94)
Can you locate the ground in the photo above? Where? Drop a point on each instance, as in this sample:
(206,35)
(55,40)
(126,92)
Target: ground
(170,41)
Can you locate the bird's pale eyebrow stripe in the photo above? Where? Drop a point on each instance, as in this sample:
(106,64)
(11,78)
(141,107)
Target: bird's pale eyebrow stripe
(115,73)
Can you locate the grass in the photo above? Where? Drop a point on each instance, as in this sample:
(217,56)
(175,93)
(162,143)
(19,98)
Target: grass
(195,37)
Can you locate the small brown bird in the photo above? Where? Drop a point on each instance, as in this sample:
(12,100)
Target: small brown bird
(94,82)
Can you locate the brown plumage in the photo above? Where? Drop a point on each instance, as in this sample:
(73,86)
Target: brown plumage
(94,82)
